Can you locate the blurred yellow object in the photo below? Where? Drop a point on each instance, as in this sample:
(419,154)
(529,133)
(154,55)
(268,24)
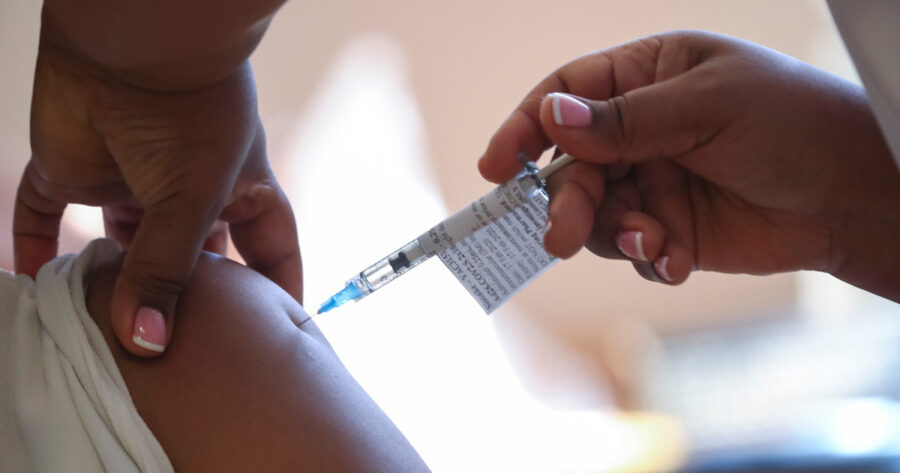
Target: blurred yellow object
(658,440)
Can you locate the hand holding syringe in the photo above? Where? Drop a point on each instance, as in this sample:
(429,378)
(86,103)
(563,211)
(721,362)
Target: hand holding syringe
(490,245)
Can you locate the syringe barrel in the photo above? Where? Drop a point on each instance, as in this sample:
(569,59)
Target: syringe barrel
(454,228)
(387,269)
(483,211)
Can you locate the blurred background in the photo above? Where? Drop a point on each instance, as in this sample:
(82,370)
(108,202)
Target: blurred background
(376,113)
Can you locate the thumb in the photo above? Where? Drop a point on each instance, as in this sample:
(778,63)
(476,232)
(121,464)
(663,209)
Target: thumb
(665,119)
(157,266)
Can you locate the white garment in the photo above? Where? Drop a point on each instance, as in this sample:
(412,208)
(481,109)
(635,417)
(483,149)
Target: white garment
(871,32)
(63,403)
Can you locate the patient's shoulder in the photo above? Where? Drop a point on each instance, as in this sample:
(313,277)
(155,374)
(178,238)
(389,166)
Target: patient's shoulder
(242,388)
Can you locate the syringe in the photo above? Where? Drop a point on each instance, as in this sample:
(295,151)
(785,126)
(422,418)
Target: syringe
(415,252)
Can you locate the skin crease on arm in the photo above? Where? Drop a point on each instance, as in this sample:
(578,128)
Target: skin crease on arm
(243,388)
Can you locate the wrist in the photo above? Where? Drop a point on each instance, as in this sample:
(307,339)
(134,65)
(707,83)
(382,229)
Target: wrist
(866,225)
(871,255)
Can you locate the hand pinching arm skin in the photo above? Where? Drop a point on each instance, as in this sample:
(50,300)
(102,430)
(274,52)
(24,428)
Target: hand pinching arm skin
(148,109)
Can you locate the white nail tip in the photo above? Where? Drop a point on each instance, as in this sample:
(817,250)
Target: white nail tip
(639,244)
(662,268)
(557,115)
(148,345)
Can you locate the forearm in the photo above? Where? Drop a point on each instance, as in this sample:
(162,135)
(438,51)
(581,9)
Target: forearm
(162,44)
(866,216)
(872,249)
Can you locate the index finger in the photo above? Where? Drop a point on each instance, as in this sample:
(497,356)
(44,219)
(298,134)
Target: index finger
(36,221)
(262,225)
(597,76)
(264,232)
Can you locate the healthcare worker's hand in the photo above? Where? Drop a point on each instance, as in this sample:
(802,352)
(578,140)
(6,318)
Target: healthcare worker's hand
(166,164)
(699,151)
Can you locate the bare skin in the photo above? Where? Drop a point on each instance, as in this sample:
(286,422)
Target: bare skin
(243,388)
(148,109)
(724,155)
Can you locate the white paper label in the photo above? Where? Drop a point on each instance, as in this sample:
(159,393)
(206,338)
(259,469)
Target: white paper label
(494,246)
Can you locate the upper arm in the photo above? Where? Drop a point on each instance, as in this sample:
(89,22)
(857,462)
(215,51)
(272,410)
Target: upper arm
(242,388)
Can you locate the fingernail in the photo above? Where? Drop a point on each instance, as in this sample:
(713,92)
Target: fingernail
(570,112)
(631,244)
(149,329)
(547,227)
(662,268)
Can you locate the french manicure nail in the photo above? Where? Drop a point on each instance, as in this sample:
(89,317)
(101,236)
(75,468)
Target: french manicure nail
(569,111)
(662,268)
(149,329)
(631,244)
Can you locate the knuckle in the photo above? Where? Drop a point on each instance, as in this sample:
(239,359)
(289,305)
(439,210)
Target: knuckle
(256,199)
(35,214)
(55,170)
(157,288)
(51,171)
(617,121)
(35,190)
(193,211)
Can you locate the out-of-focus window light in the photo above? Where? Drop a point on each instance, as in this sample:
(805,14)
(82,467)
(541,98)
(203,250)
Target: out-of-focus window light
(361,186)
(86,222)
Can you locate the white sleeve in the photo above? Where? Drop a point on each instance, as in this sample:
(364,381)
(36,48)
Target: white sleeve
(63,391)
